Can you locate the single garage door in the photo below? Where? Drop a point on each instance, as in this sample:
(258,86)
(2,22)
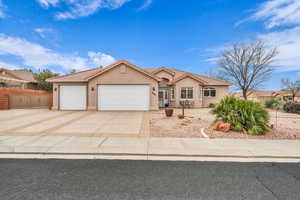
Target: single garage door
(123,97)
(72,97)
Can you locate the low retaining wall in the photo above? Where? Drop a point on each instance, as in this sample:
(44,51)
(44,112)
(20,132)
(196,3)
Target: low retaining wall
(23,98)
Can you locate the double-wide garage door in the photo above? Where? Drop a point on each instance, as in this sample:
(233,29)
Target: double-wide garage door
(123,97)
(110,97)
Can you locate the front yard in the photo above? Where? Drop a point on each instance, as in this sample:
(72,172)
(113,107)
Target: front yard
(288,125)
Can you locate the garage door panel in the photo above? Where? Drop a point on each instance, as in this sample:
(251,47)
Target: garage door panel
(123,97)
(72,98)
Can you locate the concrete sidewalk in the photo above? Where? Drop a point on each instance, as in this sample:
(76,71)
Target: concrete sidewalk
(147,148)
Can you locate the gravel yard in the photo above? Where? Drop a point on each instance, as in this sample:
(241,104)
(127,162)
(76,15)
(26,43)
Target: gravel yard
(288,125)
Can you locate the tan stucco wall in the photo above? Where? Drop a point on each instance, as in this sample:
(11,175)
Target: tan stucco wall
(221,92)
(188,82)
(56,93)
(115,76)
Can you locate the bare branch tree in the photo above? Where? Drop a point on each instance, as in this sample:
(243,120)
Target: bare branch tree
(247,66)
(293,87)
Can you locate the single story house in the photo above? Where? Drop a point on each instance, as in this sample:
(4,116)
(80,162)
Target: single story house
(125,86)
(286,95)
(260,96)
(18,78)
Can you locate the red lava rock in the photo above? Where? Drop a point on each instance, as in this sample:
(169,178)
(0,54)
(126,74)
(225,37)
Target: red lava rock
(221,126)
(180,116)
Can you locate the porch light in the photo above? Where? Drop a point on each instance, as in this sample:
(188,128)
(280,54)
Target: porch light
(153,88)
(92,88)
(55,89)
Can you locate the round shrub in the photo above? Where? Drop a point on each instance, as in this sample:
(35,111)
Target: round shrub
(273,103)
(243,115)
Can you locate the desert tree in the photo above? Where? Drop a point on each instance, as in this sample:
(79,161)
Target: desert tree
(247,65)
(293,87)
(41,76)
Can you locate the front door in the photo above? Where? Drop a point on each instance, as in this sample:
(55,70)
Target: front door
(163,97)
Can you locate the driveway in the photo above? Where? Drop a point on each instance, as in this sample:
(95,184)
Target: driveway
(72,123)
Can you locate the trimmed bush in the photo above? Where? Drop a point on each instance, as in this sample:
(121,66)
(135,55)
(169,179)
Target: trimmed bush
(292,107)
(243,115)
(273,103)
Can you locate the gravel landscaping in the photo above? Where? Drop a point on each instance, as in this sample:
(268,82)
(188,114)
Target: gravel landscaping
(288,125)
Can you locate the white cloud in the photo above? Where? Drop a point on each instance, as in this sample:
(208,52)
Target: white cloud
(47,3)
(2,7)
(37,56)
(146,4)
(82,8)
(43,31)
(288,43)
(278,13)
(100,59)
(8,65)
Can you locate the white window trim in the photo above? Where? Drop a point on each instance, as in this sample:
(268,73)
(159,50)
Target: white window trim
(186,88)
(209,90)
(172,93)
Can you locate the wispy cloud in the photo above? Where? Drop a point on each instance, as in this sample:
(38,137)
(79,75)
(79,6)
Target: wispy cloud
(43,32)
(288,43)
(37,56)
(81,8)
(2,7)
(47,3)
(8,65)
(145,5)
(278,13)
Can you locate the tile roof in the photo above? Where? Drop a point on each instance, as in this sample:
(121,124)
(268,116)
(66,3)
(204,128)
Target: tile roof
(21,74)
(84,76)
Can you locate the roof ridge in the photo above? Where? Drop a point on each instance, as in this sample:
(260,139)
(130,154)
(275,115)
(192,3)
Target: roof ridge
(62,76)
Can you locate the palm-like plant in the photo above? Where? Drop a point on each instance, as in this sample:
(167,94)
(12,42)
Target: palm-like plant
(243,115)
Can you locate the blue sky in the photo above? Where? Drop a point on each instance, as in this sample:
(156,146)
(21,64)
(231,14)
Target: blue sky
(78,34)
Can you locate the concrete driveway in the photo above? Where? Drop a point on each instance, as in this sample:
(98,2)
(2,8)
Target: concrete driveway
(73,123)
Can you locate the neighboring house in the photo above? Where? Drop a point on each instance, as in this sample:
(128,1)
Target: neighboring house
(260,96)
(286,95)
(124,86)
(17,79)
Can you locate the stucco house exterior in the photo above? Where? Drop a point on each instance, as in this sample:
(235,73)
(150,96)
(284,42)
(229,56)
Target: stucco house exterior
(125,86)
(18,78)
(260,96)
(286,95)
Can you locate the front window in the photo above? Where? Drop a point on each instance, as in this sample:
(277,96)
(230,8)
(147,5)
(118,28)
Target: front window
(209,92)
(187,93)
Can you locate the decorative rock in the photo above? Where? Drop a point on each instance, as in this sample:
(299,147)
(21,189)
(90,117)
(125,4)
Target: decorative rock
(221,126)
(180,116)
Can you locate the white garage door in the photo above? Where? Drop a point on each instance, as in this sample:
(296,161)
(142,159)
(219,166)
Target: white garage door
(72,98)
(123,97)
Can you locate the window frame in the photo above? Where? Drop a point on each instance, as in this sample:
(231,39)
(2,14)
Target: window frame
(210,92)
(186,94)
(172,93)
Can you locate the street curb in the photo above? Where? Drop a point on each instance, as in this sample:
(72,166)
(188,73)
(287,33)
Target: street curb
(150,155)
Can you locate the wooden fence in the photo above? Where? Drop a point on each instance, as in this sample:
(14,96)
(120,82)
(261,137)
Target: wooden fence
(20,98)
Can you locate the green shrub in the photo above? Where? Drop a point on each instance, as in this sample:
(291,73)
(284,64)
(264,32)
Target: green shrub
(292,107)
(273,103)
(243,115)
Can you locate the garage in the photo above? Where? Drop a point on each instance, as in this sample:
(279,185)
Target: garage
(123,97)
(72,97)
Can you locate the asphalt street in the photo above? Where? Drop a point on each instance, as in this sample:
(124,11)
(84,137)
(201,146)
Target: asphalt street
(55,179)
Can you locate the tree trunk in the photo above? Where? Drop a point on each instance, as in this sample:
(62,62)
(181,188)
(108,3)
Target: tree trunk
(245,95)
